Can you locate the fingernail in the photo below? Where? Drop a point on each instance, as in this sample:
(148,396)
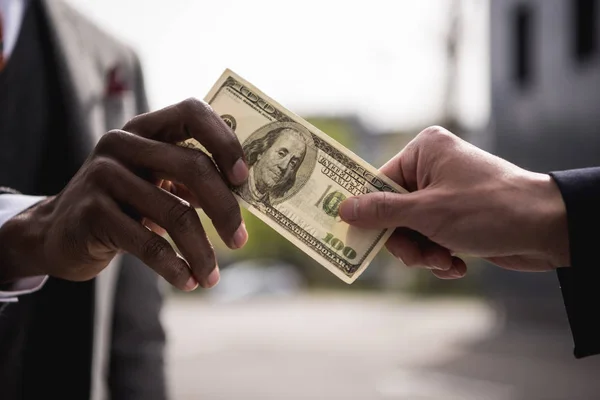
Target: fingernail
(191,284)
(349,209)
(458,274)
(239,172)
(185,203)
(213,277)
(452,273)
(240,237)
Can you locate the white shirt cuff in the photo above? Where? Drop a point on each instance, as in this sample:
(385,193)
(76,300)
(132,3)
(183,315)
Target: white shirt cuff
(10,206)
(13,204)
(21,287)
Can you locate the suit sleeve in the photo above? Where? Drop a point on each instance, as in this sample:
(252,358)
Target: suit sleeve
(12,204)
(580,282)
(137,367)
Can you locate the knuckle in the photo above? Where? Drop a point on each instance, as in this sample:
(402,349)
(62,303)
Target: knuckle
(437,134)
(232,209)
(89,209)
(411,256)
(109,140)
(232,143)
(101,169)
(178,274)
(384,208)
(209,262)
(434,130)
(224,211)
(183,217)
(156,248)
(193,105)
(411,262)
(200,165)
(233,215)
(133,122)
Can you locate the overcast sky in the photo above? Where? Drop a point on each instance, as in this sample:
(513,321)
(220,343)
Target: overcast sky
(383,60)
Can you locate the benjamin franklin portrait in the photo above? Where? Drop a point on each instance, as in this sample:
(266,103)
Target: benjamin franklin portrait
(281,157)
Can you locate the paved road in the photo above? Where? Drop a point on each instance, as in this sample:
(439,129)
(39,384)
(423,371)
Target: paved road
(368,348)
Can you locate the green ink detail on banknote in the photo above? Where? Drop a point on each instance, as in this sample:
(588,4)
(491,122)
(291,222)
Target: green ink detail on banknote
(331,204)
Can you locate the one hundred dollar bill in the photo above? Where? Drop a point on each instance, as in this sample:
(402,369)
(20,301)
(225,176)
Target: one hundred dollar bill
(298,178)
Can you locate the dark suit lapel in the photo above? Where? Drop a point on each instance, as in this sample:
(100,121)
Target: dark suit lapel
(84,57)
(80,78)
(64,312)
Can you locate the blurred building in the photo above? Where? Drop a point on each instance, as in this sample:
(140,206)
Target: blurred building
(545,111)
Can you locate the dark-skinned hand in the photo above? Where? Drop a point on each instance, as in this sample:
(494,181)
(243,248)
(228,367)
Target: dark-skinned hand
(132,187)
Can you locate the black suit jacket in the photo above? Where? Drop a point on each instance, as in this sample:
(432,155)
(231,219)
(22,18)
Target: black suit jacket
(103,337)
(580,282)
(6,190)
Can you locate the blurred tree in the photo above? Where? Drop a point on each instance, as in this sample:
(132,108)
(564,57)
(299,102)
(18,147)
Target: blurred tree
(452,42)
(338,129)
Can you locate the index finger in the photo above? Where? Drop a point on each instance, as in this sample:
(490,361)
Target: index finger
(195,119)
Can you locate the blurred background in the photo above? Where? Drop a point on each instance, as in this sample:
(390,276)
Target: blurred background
(520,78)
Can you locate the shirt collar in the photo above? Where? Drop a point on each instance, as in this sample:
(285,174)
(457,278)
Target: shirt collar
(12,12)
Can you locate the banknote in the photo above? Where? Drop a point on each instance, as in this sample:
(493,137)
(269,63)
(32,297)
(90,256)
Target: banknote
(298,178)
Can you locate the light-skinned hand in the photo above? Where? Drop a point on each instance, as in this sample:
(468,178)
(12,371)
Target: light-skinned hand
(465,201)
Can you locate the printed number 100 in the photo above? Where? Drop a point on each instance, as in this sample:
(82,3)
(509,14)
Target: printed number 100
(338,246)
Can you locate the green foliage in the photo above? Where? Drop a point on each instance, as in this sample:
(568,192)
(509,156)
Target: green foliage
(337,129)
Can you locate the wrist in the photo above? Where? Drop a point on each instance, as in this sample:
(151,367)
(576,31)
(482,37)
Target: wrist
(22,238)
(551,221)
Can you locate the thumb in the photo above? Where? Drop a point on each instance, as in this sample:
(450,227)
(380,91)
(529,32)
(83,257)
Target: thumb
(383,210)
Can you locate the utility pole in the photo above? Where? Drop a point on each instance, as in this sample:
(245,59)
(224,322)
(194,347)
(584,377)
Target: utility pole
(452,43)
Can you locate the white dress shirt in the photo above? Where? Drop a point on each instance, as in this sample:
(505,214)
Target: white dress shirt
(12,16)
(10,204)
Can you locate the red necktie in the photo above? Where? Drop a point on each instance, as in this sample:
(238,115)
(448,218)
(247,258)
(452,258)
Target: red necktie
(1,44)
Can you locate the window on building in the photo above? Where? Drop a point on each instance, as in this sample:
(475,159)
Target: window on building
(523,45)
(585,25)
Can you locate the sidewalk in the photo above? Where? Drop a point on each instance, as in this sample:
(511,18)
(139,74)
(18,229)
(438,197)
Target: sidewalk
(353,346)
